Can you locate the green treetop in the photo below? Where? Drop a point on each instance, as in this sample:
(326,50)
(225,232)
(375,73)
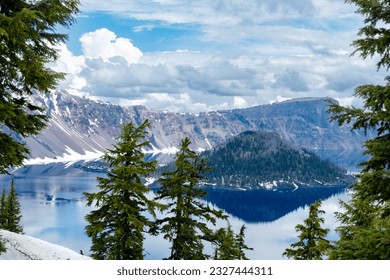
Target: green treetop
(187,221)
(2,220)
(118,222)
(312,244)
(10,211)
(28,40)
(3,217)
(230,246)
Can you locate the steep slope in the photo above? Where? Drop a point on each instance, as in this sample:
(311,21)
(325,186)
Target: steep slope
(264,159)
(81,129)
(24,247)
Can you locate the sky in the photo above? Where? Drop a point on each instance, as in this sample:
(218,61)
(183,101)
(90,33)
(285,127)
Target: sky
(198,56)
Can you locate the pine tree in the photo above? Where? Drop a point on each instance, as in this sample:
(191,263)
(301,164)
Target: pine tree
(312,244)
(363,234)
(185,223)
(230,246)
(12,212)
(3,219)
(240,239)
(365,224)
(118,223)
(28,40)
(226,248)
(2,246)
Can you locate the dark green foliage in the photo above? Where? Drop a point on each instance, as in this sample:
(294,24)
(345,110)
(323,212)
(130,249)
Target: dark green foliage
(375,176)
(185,223)
(312,244)
(256,157)
(2,219)
(2,246)
(10,212)
(118,223)
(365,225)
(375,35)
(230,246)
(27,43)
(364,234)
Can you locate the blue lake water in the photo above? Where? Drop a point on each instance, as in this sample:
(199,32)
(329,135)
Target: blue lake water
(53,209)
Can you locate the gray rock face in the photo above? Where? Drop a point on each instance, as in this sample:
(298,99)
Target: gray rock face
(80,127)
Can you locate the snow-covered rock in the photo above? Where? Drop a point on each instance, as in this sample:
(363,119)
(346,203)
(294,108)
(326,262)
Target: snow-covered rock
(24,247)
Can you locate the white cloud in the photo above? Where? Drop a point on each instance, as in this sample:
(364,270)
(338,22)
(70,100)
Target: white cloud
(202,81)
(239,102)
(104,44)
(72,66)
(68,63)
(279,98)
(142,28)
(206,12)
(350,101)
(290,79)
(243,53)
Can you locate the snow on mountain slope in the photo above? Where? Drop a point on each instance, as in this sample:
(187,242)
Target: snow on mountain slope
(24,247)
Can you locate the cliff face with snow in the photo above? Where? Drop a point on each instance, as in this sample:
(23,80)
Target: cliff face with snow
(80,128)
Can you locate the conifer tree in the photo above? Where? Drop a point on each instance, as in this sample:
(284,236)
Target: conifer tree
(28,40)
(226,248)
(240,239)
(2,209)
(187,221)
(2,220)
(2,246)
(363,234)
(118,223)
(312,244)
(365,225)
(230,246)
(12,212)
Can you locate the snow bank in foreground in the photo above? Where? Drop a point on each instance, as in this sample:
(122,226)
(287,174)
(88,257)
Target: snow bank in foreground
(24,247)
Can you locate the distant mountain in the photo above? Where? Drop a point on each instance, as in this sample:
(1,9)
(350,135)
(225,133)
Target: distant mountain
(81,129)
(265,159)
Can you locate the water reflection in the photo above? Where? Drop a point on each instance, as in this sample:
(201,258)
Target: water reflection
(268,205)
(53,209)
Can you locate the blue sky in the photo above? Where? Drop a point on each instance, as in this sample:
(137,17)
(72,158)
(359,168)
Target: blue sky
(195,56)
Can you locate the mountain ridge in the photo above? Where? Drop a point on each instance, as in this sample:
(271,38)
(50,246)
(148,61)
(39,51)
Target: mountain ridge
(81,129)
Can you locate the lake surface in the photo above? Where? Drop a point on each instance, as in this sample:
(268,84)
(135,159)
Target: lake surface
(53,209)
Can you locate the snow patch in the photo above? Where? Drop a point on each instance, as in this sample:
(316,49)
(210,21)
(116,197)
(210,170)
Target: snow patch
(94,123)
(68,111)
(70,157)
(208,143)
(166,151)
(150,180)
(24,247)
(296,187)
(55,104)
